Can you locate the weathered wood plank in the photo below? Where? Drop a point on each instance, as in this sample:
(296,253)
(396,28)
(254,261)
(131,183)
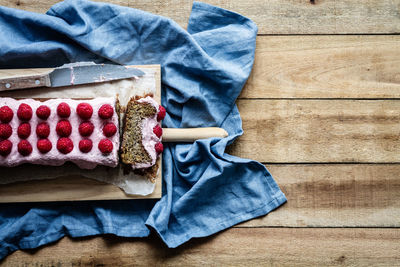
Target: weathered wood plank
(274,16)
(288,131)
(325,67)
(234,247)
(336,195)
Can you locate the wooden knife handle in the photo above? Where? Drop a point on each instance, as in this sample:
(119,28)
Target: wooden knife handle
(22,82)
(191,134)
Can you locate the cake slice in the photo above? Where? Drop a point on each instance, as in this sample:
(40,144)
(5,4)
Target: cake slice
(141,138)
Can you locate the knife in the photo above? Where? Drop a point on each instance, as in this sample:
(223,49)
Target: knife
(67,75)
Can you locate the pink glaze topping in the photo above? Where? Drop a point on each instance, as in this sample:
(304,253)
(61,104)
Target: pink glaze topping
(54,157)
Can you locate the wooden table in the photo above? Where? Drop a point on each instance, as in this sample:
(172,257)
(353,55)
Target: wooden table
(327,76)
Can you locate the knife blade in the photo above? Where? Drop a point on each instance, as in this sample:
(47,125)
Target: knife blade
(70,74)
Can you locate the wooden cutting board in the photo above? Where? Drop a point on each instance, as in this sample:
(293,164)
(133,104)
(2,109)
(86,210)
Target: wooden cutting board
(75,188)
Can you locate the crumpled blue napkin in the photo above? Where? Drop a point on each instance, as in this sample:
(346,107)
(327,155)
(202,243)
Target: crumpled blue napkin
(203,72)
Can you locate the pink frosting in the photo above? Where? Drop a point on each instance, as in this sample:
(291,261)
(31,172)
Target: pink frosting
(149,139)
(54,158)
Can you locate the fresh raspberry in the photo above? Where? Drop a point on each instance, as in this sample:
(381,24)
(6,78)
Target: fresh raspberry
(65,145)
(43,130)
(6,114)
(157,131)
(105,146)
(85,145)
(159,148)
(86,128)
(63,128)
(43,112)
(44,145)
(63,110)
(106,111)
(161,113)
(5,130)
(5,147)
(84,111)
(24,112)
(109,129)
(24,130)
(24,148)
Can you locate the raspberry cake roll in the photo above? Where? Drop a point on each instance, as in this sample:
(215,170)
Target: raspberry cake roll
(55,131)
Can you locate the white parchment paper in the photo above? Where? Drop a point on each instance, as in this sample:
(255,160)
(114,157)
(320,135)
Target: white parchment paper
(131,183)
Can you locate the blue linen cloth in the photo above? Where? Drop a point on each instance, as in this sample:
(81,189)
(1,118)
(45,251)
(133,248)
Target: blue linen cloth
(203,72)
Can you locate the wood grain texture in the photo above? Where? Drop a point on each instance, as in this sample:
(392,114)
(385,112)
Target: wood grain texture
(335,195)
(295,131)
(72,188)
(274,16)
(234,247)
(24,82)
(330,66)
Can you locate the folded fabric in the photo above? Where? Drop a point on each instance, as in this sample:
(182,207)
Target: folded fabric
(203,72)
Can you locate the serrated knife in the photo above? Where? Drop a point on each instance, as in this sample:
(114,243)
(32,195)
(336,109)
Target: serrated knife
(67,75)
